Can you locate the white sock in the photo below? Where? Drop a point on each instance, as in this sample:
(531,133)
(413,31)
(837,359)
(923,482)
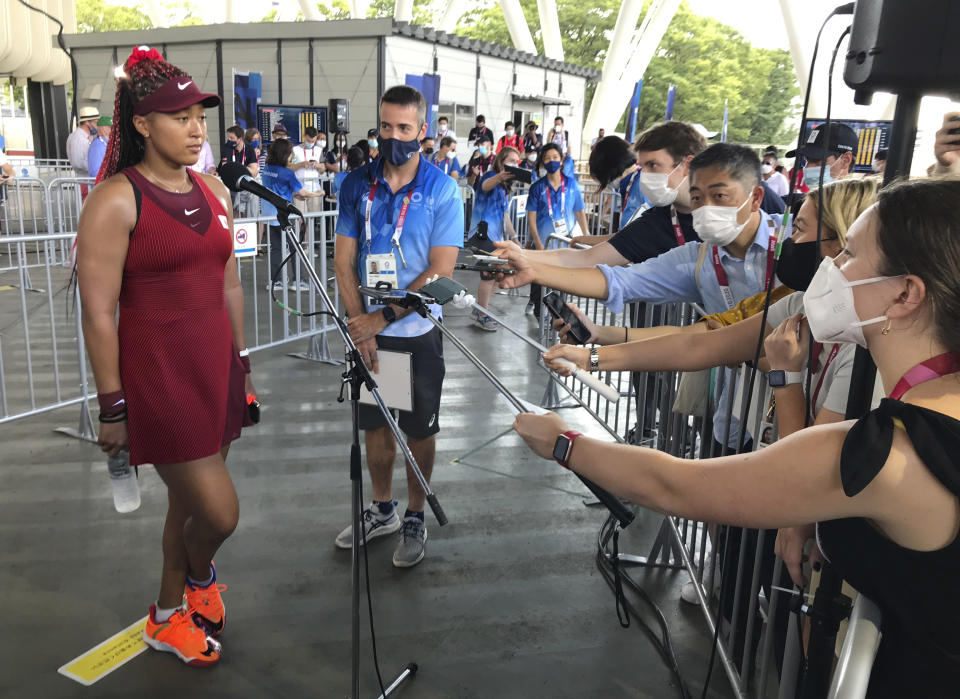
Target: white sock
(162,615)
(200,583)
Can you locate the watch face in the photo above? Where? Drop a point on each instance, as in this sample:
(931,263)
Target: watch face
(560,448)
(777,378)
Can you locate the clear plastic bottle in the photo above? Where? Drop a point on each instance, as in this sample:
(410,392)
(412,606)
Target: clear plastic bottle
(126,490)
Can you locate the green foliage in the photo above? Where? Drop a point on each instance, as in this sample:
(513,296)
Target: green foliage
(422,11)
(271,16)
(707,60)
(97,16)
(337,9)
(710,62)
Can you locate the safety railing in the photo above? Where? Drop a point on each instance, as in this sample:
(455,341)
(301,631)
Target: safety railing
(43,363)
(739,584)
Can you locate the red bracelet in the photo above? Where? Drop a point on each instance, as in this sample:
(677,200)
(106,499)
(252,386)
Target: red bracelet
(112,402)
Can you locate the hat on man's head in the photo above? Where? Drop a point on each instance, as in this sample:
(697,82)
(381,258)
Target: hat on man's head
(530,148)
(373,133)
(843,139)
(105,121)
(88,113)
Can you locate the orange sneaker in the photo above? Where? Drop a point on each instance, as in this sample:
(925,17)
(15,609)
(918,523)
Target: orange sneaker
(181,636)
(205,605)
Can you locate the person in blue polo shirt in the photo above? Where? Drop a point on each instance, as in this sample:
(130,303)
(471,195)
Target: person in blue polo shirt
(554,205)
(490,217)
(400,221)
(446,157)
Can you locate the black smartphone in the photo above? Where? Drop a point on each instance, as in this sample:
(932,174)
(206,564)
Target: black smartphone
(485,268)
(442,289)
(560,310)
(519,174)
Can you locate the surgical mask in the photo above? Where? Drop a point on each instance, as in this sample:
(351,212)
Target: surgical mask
(655,188)
(254,144)
(766,168)
(509,132)
(552,166)
(811,176)
(797,264)
(718,224)
(532,157)
(321,144)
(828,305)
(398,152)
(372,142)
(451,153)
(442,128)
(483,150)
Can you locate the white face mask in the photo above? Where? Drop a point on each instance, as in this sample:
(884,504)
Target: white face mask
(321,144)
(828,305)
(718,224)
(442,128)
(766,168)
(509,132)
(452,153)
(655,188)
(532,157)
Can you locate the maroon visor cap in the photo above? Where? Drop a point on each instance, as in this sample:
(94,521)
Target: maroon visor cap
(174,95)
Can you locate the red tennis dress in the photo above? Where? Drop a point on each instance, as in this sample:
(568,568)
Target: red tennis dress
(182,377)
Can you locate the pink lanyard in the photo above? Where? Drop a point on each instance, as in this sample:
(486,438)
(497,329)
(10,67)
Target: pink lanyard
(563,198)
(677,231)
(722,276)
(823,373)
(933,368)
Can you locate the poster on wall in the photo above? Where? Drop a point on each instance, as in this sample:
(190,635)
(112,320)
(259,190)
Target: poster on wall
(247,93)
(429,86)
(294,119)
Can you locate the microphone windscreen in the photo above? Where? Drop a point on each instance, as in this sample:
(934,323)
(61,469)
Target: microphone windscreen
(231,173)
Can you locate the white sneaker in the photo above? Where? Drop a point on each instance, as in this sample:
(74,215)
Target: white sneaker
(275,286)
(299,286)
(688,593)
(529,309)
(375,525)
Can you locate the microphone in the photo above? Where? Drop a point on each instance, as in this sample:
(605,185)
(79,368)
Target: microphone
(237,178)
(404,299)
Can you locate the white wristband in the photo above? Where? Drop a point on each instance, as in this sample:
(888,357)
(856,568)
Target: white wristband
(244,352)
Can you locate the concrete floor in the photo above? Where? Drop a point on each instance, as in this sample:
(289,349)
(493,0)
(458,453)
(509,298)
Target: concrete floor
(508,602)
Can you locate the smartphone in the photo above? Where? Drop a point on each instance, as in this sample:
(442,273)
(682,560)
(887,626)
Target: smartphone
(485,268)
(483,258)
(442,289)
(519,174)
(560,310)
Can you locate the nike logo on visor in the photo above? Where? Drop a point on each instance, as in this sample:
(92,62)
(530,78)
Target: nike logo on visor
(191,213)
(183,86)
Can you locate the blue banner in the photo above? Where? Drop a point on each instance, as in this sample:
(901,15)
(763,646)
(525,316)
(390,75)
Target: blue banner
(671,97)
(247,91)
(429,86)
(631,132)
(723,130)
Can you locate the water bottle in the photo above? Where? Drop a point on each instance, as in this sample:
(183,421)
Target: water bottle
(126,490)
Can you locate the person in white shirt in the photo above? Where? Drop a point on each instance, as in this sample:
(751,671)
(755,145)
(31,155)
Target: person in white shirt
(777,181)
(311,160)
(205,163)
(443,128)
(78,142)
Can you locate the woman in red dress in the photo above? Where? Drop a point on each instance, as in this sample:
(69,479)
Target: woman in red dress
(172,375)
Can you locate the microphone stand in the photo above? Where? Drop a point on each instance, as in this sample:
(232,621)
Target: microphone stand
(355,375)
(418,303)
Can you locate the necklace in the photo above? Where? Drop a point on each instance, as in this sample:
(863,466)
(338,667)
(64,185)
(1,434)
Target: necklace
(165,185)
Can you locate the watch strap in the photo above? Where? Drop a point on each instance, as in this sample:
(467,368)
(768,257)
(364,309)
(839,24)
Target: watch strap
(594,359)
(389,314)
(567,438)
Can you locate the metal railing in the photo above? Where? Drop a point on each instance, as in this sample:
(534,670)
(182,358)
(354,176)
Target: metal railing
(758,644)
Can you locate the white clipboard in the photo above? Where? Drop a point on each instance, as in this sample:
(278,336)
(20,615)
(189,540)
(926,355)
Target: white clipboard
(395,381)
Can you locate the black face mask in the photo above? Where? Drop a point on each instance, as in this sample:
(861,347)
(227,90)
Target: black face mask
(798,263)
(428,151)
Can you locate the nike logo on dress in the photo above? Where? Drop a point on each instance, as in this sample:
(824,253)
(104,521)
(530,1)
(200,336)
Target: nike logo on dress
(191,213)
(183,86)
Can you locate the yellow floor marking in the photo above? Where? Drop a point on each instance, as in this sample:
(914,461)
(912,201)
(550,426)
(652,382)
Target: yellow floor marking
(102,659)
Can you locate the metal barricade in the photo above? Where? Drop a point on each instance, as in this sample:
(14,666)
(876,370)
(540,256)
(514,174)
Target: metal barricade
(755,630)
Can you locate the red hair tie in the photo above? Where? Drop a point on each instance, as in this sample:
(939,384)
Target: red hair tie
(141,53)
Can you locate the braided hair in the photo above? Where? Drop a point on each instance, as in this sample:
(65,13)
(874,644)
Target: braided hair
(143,72)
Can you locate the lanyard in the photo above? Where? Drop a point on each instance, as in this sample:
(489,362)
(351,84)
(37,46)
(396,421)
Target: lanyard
(823,373)
(933,368)
(678,232)
(722,276)
(629,184)
(446,164)
(397,231)
(563,198)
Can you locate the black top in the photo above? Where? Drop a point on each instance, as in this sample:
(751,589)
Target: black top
(772,202)
(651,234)
(478,131)
(916,591)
